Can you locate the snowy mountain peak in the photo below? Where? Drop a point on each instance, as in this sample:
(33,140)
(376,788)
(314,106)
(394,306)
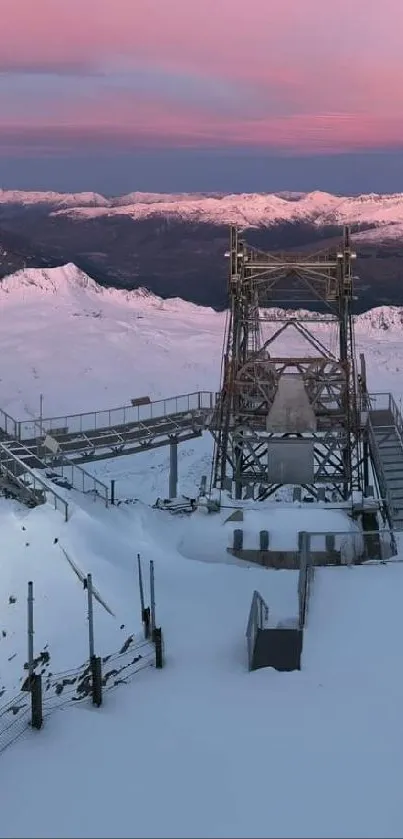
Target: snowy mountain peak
(68,280)
(82,199)
(61,280)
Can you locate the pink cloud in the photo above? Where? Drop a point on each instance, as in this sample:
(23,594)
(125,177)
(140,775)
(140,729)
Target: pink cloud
(323,75)
(124,122)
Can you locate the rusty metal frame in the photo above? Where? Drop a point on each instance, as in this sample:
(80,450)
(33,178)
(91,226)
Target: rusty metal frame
(250,375)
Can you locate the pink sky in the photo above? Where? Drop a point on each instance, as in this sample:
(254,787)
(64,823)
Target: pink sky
(294,75)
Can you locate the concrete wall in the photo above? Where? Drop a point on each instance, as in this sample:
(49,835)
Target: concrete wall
(284,559)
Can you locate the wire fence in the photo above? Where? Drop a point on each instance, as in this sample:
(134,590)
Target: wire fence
(65,689)
(43,691)
(352,547)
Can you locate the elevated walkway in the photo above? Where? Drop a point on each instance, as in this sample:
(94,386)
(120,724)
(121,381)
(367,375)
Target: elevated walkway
(386,448)
(127,430)
(57,445)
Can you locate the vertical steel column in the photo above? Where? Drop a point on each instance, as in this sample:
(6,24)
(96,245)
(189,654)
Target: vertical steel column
(30,631)
(173,467)
(152,598)
(90,617)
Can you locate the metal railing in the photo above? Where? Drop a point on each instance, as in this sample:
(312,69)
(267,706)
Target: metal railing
(27,479)
(9,425)
(353,546)
(305,577)
(379,401)
(80,479)
(386,402)
(397,417)
(125,415)
(258,619)
(379,470)
(61,690)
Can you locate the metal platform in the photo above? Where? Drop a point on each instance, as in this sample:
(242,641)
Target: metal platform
(102,443)
(99,435)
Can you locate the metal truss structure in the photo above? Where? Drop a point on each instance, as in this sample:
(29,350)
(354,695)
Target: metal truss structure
(288,420)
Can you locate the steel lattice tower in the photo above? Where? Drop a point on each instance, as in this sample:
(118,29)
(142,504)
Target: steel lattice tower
(288,420)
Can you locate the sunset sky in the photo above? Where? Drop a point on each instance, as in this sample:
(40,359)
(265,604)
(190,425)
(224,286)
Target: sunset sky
(198,92)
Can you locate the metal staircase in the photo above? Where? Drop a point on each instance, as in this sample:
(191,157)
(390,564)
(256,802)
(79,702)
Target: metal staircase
(386,447)
(19,477)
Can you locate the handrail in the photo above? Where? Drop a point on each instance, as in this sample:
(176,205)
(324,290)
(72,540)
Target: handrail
(36,480)
(8,424)
(98,487)
(123,415)
(397,417)
(258,617)
(380,474)
(147,405)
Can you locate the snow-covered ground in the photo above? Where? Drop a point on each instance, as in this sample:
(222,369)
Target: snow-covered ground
(201,748)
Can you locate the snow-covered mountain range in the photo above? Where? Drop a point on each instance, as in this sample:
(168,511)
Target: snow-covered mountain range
(69,283)
(382,214)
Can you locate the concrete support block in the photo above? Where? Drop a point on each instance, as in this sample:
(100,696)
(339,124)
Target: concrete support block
(330,541)
(264,540)
(227,484)
(238,540)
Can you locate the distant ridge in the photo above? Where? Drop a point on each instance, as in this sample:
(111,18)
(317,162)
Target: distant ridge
(376,216)
(70,280)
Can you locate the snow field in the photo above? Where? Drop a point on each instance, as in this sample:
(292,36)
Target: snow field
(201,748)
(204,748)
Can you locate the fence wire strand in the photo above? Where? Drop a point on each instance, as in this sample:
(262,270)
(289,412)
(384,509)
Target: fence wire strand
(138,657)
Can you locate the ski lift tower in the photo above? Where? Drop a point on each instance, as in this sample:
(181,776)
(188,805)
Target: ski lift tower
(288,420)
